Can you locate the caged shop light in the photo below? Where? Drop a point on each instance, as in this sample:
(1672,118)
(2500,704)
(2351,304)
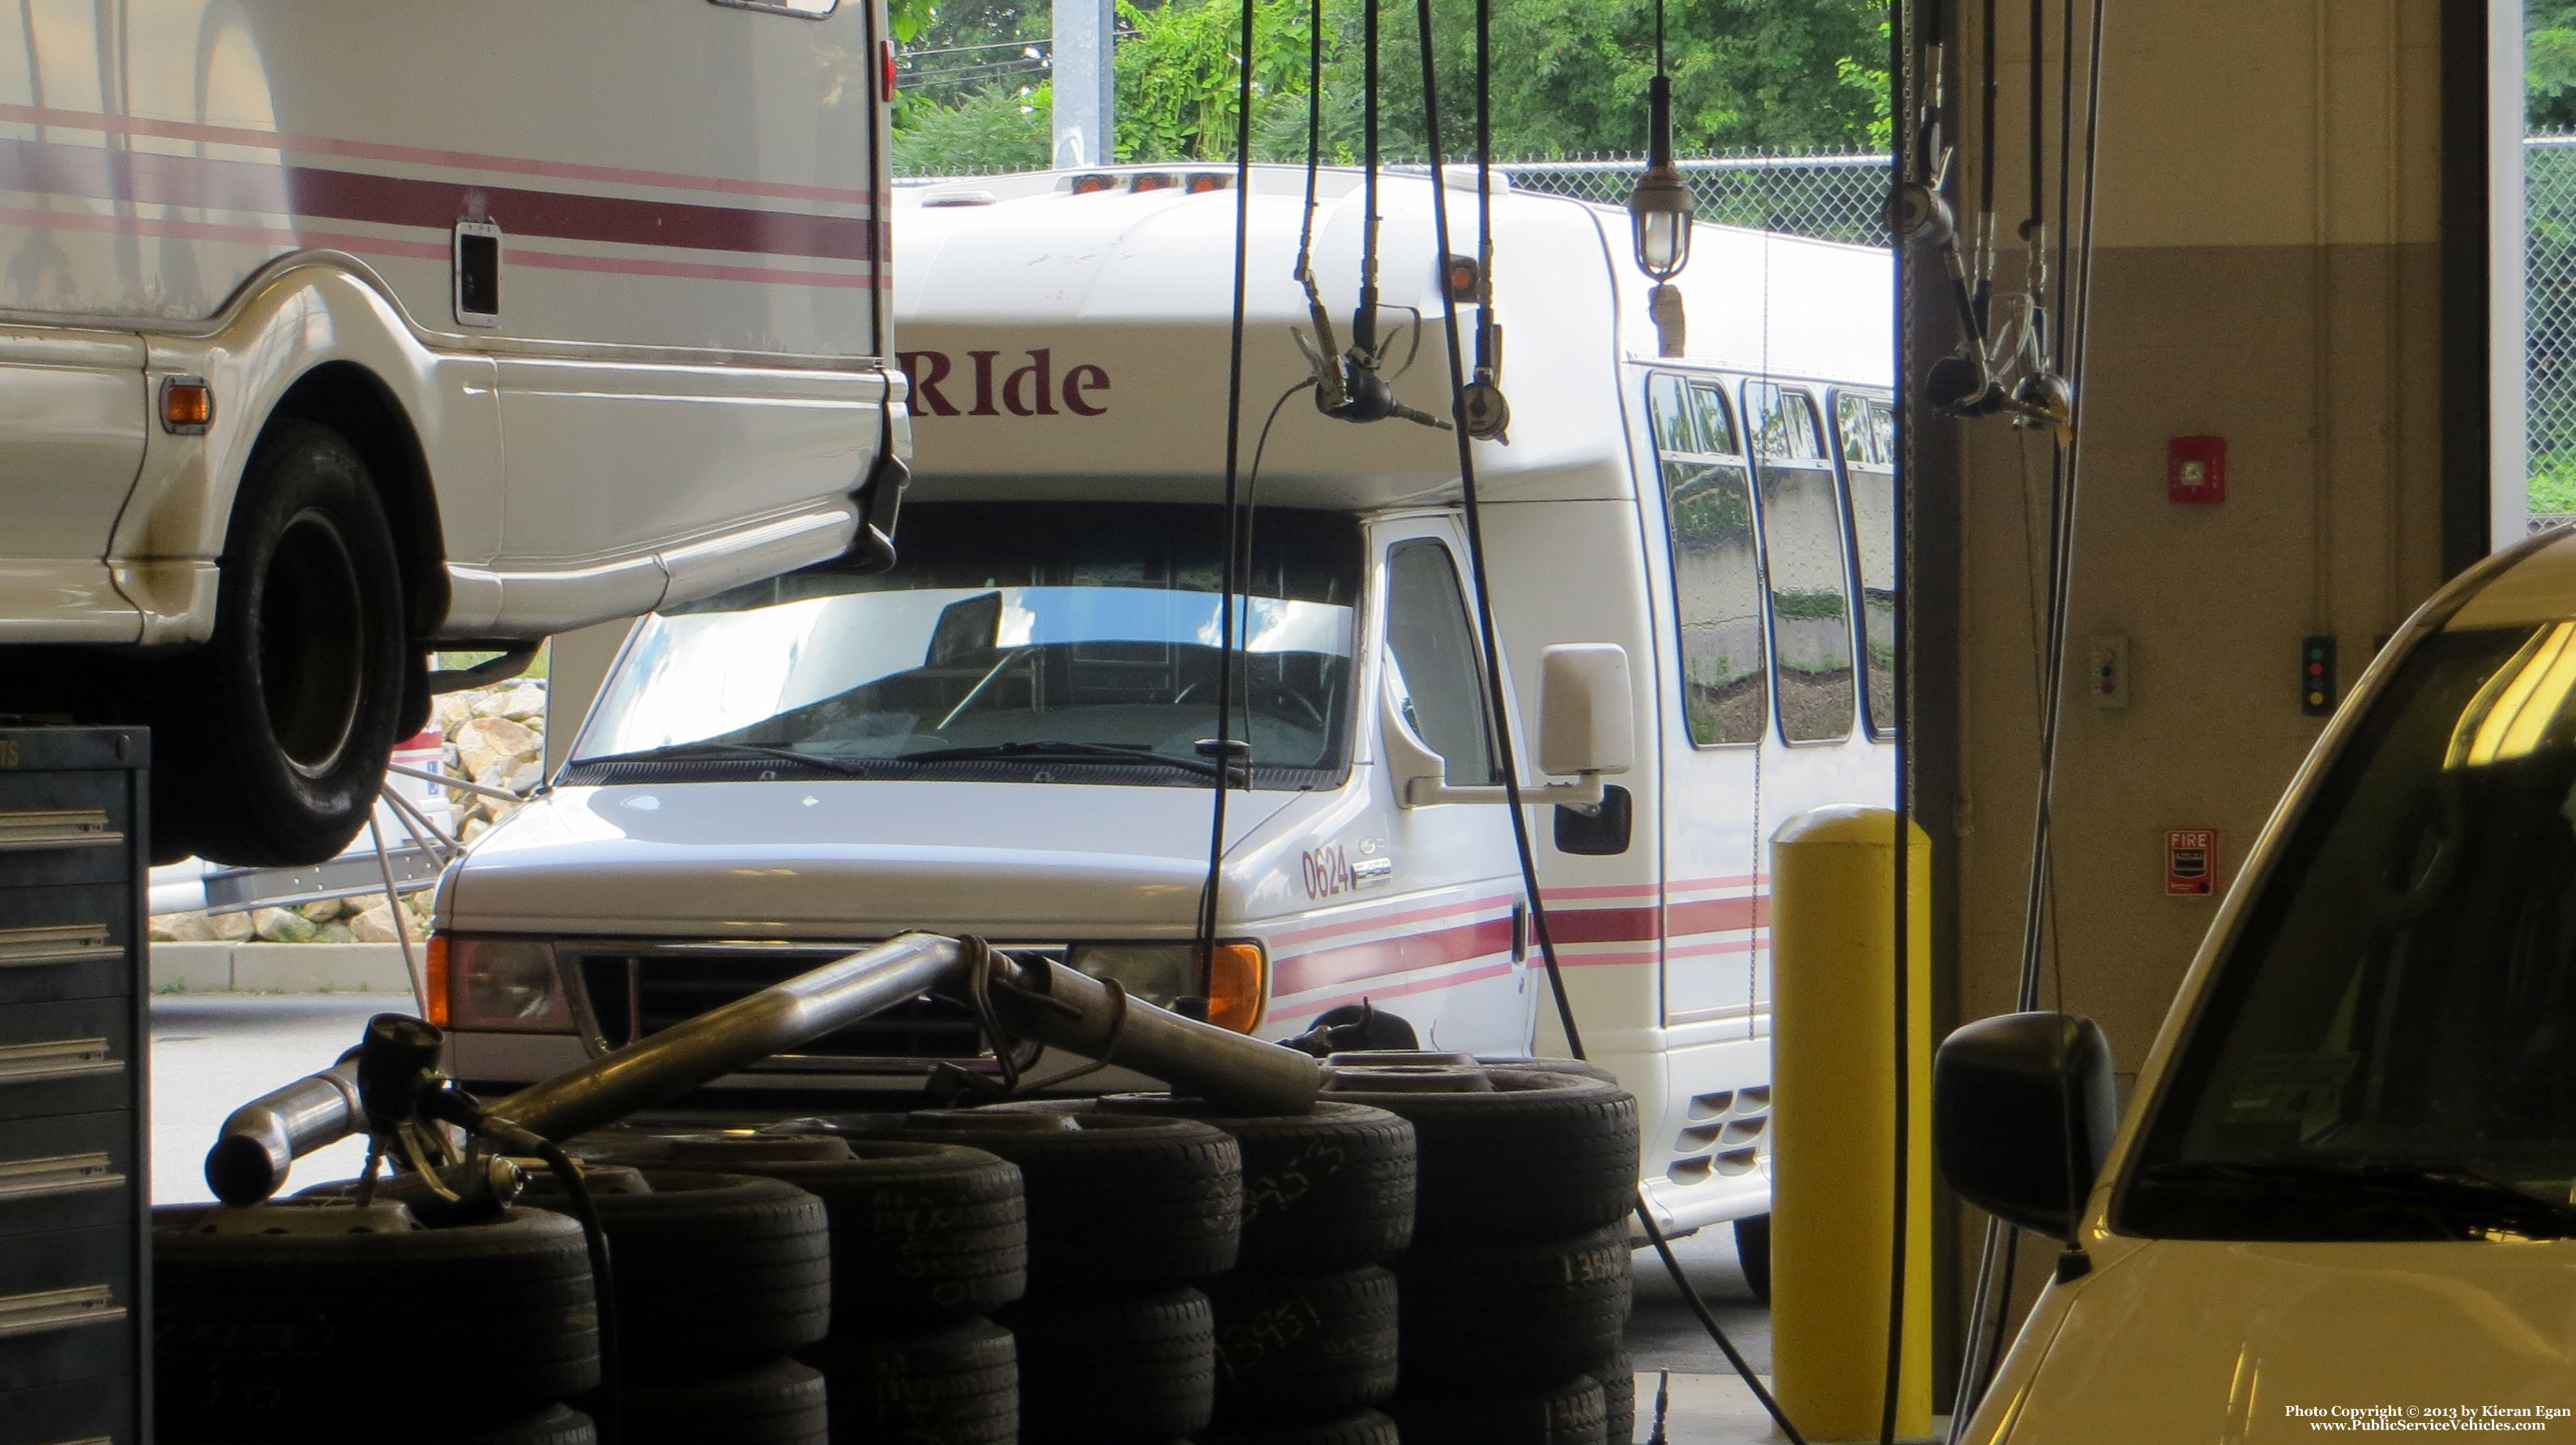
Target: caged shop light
(1661,208)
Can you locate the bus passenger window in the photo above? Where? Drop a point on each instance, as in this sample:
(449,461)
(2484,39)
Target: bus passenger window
(1438,671)
(1717,580)
(1868,425)
(1802,545)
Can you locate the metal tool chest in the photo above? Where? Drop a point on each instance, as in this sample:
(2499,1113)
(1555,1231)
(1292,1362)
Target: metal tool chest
(75,1293)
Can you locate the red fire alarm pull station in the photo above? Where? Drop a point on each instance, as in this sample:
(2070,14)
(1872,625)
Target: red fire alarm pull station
(2191,862)
(2196,470)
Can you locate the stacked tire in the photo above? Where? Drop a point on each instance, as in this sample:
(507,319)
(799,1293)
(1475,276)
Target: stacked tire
(1306,1329)
(314,1322)
(1126,1216)
(720,1279)
(926,1240)
(1515,1290)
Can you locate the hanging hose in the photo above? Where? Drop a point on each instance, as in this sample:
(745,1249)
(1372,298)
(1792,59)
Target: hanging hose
(1498,704)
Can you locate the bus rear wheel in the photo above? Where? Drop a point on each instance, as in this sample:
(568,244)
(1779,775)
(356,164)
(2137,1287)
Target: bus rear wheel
(271,739)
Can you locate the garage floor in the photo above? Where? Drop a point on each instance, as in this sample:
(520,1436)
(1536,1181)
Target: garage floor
(213,1052)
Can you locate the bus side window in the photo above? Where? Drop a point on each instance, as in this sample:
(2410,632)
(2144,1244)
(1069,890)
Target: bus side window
(1717,580)
(1868,428)
(1437,667)
(1802,545)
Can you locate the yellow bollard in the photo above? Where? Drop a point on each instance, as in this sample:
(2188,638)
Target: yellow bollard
(1833,1105)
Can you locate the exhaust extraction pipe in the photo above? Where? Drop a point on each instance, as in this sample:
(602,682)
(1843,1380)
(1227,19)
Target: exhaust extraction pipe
(1035,998)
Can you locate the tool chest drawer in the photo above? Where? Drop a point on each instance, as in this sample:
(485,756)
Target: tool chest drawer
(66,941)
(70,1172)
(65,827)
(67,1306)
(81,1414)
(71,1057)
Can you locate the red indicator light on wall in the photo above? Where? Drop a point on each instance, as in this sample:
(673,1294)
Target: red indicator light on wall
(2196,470)
(886,66)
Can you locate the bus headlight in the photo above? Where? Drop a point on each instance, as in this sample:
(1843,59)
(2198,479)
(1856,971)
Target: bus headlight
(1235,982)
(505,983)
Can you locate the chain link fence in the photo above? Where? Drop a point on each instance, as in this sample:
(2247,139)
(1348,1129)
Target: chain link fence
(1833,197)
(2549,324)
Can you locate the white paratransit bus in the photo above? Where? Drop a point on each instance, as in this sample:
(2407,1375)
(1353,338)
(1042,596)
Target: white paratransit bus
(1001,734)
(332,335)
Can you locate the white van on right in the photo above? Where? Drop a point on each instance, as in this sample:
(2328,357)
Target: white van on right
(2342,1199)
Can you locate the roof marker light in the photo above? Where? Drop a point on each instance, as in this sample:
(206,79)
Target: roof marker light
(1091,184)
(1201,182)
(1153,181)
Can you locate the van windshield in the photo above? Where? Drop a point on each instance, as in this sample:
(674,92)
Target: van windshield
(2388,1050)
(1012,642)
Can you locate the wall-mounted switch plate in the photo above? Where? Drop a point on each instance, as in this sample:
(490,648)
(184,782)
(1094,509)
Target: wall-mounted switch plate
(2107,678)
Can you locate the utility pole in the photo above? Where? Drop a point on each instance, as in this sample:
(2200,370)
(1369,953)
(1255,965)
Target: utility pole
(1086,82)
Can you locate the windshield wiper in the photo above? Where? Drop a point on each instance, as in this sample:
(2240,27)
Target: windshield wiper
(1044,748)
(2458,1197)
(678,751)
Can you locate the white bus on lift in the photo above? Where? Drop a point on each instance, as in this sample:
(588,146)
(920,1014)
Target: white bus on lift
(1002,734)
(335,334)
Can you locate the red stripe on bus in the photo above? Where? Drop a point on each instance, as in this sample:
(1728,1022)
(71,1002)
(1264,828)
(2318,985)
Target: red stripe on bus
(1403,954)
(1396,990)
(425,156)
(203,183)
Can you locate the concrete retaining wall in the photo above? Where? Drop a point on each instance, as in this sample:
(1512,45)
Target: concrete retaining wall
(279,968)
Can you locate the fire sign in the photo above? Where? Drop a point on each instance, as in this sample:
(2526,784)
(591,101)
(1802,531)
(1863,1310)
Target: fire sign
(2191,862)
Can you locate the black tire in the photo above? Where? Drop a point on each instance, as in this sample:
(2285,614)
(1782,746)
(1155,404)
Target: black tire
(271,739)
(1295,1347)
(1618,1381)
(956,1385)
(1322,1191)
(712,1267)
(249,1328)
(1365,1427)
(1579,1068)
(1115,1203)
(553,1425)
(1545,1156)
(1753,1254)
(778,1402)
(1571,1414)
(921,1233)
(1474,1314)
(1114,1369)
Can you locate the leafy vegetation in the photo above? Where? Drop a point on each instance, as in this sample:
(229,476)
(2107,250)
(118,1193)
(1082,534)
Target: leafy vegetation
(1570,77)
(2549,63)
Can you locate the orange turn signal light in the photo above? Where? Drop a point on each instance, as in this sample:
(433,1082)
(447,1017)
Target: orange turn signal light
(1202,182)
(1092,184)
(187,404)
(1153,181)
(1238,985)
(433,980)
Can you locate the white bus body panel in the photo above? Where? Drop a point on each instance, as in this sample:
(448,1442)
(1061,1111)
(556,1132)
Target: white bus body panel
(685,376)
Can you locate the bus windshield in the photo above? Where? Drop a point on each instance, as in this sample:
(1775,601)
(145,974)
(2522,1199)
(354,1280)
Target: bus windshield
(2388,1050)
(1011,642)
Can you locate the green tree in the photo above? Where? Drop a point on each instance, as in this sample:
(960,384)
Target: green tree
(990,130)
(2549,63)
(1179,80)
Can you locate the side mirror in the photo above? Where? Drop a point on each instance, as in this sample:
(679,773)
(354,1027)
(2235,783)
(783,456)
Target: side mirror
(1587,722)
(967,633)
(2023,1109)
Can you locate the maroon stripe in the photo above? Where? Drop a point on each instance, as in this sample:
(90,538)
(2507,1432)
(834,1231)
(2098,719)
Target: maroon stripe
(149,178)
(1716,915)
(1347,964)
(1603,925)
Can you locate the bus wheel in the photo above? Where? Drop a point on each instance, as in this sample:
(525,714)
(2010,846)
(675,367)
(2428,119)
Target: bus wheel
(1753,1254)
(272,737)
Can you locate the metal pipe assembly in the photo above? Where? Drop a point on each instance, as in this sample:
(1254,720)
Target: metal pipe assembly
(1034,998)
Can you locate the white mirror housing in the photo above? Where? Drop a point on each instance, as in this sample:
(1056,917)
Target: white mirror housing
(1587,721)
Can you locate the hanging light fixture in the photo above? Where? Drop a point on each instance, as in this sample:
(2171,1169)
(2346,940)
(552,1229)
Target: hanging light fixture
(1661,208)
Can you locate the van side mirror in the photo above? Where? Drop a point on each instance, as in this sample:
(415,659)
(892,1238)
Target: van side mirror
(2023,1109)
(968,632)
(1587,722)
(1587,728)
